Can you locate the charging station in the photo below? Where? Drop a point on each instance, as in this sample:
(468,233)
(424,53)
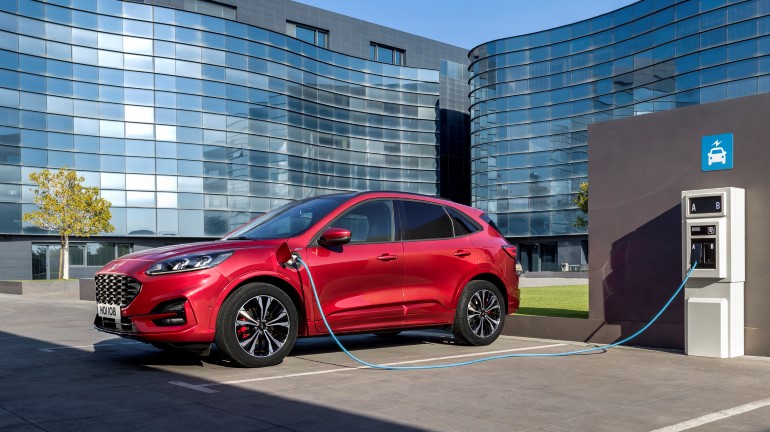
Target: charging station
(714,236)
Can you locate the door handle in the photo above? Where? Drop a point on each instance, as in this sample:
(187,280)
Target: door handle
(387,257)
(462,253)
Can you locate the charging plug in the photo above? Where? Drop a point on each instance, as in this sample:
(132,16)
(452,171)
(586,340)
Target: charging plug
(696,253)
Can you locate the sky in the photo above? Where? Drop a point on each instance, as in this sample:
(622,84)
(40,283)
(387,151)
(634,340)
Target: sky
(467,23)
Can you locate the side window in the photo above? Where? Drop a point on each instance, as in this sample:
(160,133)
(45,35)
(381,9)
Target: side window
(426,221)
(485,217)
(370,222)
(462,223)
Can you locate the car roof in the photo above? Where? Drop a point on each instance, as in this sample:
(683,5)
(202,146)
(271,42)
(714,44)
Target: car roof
(408,195)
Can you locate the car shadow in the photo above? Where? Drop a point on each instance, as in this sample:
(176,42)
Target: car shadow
(146,354)
(123,386)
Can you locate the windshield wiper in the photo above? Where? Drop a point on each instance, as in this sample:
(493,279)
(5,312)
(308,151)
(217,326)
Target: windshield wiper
(239,238)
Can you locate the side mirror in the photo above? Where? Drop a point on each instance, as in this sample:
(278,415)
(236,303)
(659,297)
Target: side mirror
(334,237)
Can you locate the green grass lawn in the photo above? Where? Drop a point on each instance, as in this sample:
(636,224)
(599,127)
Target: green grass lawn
(555,301)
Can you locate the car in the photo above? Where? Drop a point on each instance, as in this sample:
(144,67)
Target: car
(382,262)
(717,154)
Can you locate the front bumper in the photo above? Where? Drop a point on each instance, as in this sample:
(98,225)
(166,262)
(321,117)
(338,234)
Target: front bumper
(166,308)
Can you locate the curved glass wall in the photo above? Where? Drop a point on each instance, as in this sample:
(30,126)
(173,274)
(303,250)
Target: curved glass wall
(192,124)
(533,96)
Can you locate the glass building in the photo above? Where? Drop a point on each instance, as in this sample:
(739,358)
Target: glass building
(533,96)
(193,123)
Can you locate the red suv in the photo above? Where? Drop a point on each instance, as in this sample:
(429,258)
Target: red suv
(382,262)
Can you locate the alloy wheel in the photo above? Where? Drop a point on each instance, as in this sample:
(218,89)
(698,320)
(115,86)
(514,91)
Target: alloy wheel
(484,313)
(262,326)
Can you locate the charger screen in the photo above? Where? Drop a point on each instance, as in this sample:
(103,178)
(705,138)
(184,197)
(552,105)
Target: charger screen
(709,204)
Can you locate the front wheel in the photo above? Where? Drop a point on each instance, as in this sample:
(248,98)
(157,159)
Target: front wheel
(257,325)
(479,317)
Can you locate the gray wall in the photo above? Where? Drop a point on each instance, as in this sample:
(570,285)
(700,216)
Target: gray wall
(638,168)
(16,253)
(347,35)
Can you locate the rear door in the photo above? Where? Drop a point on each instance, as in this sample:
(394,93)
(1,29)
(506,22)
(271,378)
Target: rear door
(360,283)
(437,262)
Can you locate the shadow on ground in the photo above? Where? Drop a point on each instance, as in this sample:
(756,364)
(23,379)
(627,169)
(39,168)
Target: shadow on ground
(122,386)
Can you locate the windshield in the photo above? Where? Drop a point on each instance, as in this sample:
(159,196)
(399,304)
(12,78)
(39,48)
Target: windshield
(289,220)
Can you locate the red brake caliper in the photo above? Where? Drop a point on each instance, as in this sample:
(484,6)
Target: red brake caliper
(243,332)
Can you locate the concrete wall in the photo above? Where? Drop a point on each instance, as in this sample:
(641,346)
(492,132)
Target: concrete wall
(638,168)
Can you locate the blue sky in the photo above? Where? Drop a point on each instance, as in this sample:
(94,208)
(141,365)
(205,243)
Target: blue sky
(467,23)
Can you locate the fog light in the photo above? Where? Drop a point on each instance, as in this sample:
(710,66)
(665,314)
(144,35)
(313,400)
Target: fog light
(176,308)
(172,321)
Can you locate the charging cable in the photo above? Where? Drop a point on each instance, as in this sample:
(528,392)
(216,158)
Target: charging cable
(299,261)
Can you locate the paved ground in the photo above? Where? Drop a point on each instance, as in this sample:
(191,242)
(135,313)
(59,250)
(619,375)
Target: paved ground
(58,374)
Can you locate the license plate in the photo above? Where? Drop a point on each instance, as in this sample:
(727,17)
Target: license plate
(108,311)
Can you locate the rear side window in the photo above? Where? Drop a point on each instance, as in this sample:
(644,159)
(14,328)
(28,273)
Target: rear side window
(485,217)
(462,223)
(426,221)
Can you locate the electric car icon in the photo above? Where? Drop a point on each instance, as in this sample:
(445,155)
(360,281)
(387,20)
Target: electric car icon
(382,262)
(717,154)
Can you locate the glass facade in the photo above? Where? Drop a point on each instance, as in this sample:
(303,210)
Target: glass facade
(192,124)
(533,96)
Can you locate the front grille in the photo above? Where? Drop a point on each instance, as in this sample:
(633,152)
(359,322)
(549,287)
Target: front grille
(116,289)
(126,325)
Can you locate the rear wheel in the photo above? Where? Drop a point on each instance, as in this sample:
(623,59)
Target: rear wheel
(257,325)
(479,317)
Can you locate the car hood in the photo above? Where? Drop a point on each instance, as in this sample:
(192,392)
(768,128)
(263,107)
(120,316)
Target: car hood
(164,252)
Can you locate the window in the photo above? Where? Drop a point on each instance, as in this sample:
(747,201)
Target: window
(308,34)
(210,8)
(77,255)
(99,254)
(291,219)
(370,222)
(426,221)
(463,225)
(485,217)
(386,54)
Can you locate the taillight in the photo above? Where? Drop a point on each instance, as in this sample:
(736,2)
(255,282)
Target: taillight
(510,250)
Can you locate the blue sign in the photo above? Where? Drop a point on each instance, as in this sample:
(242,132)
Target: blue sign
(717,152)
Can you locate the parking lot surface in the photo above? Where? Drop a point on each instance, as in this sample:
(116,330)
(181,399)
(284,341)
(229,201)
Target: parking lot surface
(58,374)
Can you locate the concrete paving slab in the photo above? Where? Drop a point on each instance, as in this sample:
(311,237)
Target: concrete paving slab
(58,374)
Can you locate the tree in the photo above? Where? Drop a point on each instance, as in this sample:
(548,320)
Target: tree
(66,206)
(581,201)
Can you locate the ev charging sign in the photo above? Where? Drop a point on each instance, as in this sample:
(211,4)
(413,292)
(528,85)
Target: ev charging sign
(717,152)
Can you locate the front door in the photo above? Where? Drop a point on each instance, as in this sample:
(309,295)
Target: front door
(529,257)
(360,284)
(45,261)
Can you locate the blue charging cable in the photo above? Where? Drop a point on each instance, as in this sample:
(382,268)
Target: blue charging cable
(485,359)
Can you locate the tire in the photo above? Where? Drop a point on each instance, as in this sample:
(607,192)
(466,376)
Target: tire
(257,325)
(479,316)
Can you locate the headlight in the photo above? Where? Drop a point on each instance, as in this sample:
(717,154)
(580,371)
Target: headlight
(190,262)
